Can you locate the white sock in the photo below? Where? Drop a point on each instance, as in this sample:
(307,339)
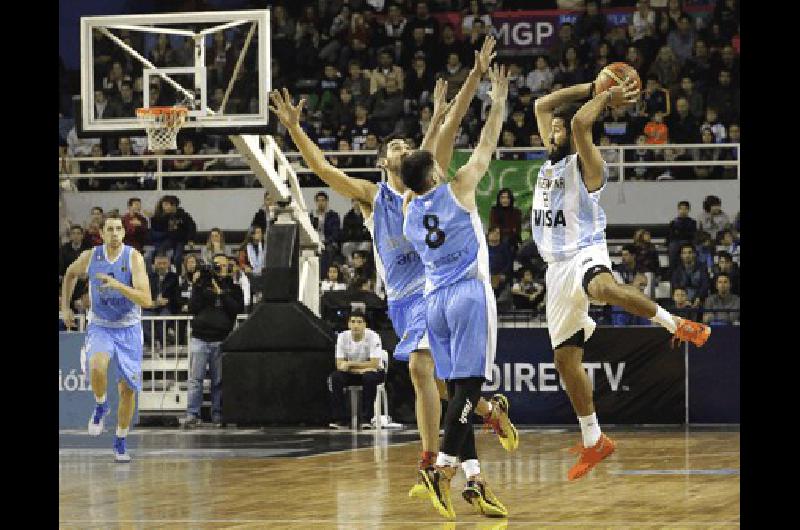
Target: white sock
(664,318)
(491,408)
(471,468)
(446,460)
(590,429)
(122,433)
(100,400)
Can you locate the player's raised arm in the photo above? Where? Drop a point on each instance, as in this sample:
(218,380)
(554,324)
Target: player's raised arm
(73,272)
(468,176)
(289,115)
(546,105)
(140,292)
(588,154)
(443,149)
(440,110)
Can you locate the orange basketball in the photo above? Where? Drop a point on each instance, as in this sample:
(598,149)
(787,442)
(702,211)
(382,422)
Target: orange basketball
(615,74)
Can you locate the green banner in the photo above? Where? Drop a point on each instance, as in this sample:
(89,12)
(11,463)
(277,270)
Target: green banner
(518,175)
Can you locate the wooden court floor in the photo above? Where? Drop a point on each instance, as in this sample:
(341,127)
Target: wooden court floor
(685,478)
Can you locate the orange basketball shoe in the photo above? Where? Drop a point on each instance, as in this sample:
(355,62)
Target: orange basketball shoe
(694,332)
(590,456)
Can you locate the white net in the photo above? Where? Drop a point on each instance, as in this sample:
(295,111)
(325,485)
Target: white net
(162,125)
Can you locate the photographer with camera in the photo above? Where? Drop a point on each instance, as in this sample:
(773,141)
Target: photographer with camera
(215,301)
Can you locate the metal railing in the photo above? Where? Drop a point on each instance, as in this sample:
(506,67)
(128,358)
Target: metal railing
(158,173)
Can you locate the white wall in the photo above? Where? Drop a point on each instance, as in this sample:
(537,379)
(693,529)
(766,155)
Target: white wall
(644,202)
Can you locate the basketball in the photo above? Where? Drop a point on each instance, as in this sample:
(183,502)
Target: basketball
(615,74)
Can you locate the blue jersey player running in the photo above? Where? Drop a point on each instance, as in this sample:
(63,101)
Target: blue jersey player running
(398,262)
(118,289)
(443,225)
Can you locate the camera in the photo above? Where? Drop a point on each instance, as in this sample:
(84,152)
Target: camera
(207,272)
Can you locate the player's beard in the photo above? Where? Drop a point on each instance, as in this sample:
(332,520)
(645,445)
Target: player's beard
(559,152)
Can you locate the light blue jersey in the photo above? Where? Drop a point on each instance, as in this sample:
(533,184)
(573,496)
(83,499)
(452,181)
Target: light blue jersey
(565,217)
(115,323)
(448,238)
(398,263)
(400,269)
(461,310)
(109,308)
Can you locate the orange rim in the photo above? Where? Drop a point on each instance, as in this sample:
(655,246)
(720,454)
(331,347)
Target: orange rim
(155,111)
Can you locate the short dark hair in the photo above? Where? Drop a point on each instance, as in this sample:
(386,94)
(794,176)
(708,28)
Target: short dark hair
(630,248)
(320,194)
(361,254)
(724,254)
(688,245)
(415,169)
(76,227)
(172,199)
(96,208)
(133,200)
(721,274)
(685,203)
(110,217)
(160,255)
(492,229)
(709,201)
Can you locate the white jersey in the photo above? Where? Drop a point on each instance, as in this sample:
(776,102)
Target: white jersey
(369,347)
(565,217)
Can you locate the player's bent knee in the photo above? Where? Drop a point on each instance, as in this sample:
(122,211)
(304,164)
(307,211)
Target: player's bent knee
(420,367)
(124,390)
(598,283)
(568,357)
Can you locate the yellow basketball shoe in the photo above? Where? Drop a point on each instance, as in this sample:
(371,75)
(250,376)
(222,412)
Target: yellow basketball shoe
(477,493)
(499,421)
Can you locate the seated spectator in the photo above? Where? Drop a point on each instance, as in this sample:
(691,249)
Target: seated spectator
(691,275)
(265,214)
(682,230)
(215,301)
(136,230)
(357,82)
(655,97)
(683,127)
(419,83)
(666,68)
(171,228)
(726,265)
(166,297)
(95,166)
(620,317)
(640,155)
(646,253)
(187,147)
(134,166)
(626,270)
(528,293)
(215,244)
(656,131)
(475,10)
(680,305)
(387,107)
(518,124)
(509,139)
(417,129)
(618,126)
(359,361)
(92,235)
(540,80)
(721,308)
(713,219)
(724,97)
(386,70)
(713,123)
(730,243)
(360,266)
(72,249)
(705,248)
(256,251)
(448,44)
(681,39)
(361,127)
(570,71)
(332,281)
(692,95)
(455,74)
(501,261)
(706,154)
(354,234)
(505,216)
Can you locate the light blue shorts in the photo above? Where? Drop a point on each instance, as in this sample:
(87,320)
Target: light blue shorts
(123,345)
(408,318)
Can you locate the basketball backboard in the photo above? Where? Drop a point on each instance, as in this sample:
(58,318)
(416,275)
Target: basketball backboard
(199,60)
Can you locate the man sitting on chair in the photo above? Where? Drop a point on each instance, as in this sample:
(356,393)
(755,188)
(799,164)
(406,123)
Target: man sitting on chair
(358,362)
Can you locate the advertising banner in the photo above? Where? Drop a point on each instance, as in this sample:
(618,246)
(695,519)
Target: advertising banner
(637,377)
(715,378)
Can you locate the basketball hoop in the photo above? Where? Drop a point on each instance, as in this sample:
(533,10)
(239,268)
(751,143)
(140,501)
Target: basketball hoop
(162,125)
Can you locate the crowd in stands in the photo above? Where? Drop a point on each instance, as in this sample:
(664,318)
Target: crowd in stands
(367,70)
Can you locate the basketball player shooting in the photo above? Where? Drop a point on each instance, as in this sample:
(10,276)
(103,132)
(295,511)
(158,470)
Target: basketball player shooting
(569,231)
(443,225)
(118,289)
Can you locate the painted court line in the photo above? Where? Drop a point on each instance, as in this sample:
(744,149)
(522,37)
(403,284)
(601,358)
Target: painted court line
(589,524)
(726,471)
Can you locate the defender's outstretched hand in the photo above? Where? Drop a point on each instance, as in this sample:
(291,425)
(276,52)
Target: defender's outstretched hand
(499,78)
(440,104)
(287,113)
(484,57)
